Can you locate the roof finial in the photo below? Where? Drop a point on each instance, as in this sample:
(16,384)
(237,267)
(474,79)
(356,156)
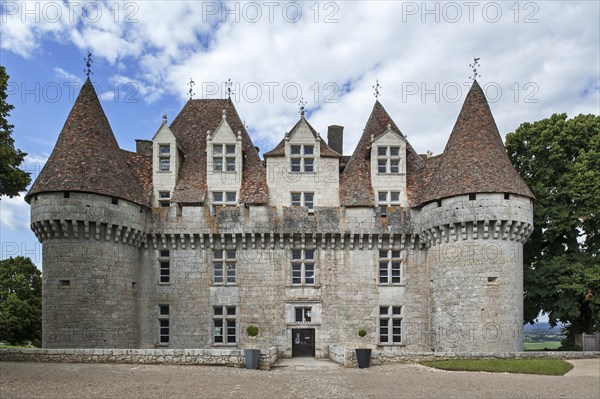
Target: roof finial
(191,83)
(389,126)
(165,119)
(377,87)
(302,103)
(88,64)
(229,84)
(224,116)
(474,66)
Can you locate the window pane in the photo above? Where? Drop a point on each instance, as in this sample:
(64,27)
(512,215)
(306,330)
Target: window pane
(395,254)
(382,151)
(296,274)
(382,196)
(309,150)
(231,310)
(218,254)
(164,194)
(164,253)
(231,164)
(382,165)
(296,254)
(296,197)
(165,164)
(308,197)
(231,272)
(218,310)
(397,310)
(394,151)
(218,164)
(383,210)
(217,196)
(230,149)
(295,164)
(165,148)
(231,254)
(309,254)
(394,166)
(383,310)
(164,310)
(383,254)
(231,197)
(296,150)
(308,165)
(395,196)
(217,149)
(299,315)
(218,272)
(309,274)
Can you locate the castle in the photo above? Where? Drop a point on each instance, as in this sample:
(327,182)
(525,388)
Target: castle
(192,238)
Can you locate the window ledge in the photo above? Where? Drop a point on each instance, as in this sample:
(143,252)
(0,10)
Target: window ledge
(163,284)
(229,346)
(302,286)
(163,171)
(224,285)
(383,346)
(391,285)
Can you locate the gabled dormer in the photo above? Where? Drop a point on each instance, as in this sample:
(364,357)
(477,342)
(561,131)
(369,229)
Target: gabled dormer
(165,165)
(388,169)
(303,170)
(223,165)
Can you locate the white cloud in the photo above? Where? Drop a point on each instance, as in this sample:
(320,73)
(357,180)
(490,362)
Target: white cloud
(14,213)
(541,56)
(67,76)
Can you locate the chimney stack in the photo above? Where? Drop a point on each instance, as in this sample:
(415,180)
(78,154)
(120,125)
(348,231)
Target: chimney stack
(335,138)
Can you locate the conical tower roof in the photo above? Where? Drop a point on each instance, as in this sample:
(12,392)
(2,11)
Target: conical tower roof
(355,181)
(87,157)
(474,160)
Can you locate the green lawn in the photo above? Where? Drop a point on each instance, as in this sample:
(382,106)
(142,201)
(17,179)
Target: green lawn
(540,346)
(521,366)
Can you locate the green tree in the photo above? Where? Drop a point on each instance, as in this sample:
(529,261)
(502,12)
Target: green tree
(12,179)
(20,301)
(559,158)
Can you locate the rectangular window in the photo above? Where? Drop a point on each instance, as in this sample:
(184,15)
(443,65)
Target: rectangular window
(220,162)
(303,314)
(165,164)
(390,267)
(302,158)
(164,149)
(390,325)
(231,164)
(164,267)
(303,267)
(163,324)
(388,159)
(385,199)
(303,199)
(221,199)
(224,325)
(217,164)
(224,264)
(163,198)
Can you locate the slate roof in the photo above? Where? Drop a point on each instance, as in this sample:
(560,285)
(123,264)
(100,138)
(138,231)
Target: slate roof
(355,181)
(474,160)
(87,158)
(326,151)
(190,127)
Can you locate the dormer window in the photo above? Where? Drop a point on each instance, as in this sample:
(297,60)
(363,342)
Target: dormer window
(224,157)
(223,198)
(388,159)
(164,149)
(302,158)
(163,198)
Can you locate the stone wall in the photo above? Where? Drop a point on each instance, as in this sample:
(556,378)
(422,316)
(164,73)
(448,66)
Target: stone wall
(204,357)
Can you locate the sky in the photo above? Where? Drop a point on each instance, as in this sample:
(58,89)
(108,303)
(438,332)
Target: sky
(536,58)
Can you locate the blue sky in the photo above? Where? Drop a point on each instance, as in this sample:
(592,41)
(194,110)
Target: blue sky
(536,58)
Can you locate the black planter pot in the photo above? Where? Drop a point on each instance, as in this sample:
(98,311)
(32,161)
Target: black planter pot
(364,358)
(252,358)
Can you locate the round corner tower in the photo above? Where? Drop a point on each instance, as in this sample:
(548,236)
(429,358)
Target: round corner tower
(476,214)
(88,208)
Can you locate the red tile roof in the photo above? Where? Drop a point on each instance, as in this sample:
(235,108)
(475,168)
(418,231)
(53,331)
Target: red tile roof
(190,127)
(474,160)
(87,157)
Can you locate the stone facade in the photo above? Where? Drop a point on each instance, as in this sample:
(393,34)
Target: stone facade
(287,253)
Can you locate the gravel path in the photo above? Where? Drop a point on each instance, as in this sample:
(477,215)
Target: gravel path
(60,380)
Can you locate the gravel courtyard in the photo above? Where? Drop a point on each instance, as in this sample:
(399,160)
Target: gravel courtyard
(325,380)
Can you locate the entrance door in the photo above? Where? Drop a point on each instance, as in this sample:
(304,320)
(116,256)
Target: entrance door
(303,342)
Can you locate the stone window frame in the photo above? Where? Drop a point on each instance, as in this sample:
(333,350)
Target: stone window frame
(302,201)
(164,267)
(305,314)
(390,261)
(224,323)
(390,325)
(225,263)
(301,267)
(224,201)
(164,158)
(301,161)
(392,198)
(224,158)
(389,159)
(163,319)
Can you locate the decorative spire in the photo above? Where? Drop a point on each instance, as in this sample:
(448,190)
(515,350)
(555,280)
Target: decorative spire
(88,64)
(229,85)
(474,66)
(376,88)
(302,103)
(191,84)
(224,115)
(164,119)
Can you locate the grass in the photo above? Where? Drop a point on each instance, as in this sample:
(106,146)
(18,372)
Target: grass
(540,346)
(520,366)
